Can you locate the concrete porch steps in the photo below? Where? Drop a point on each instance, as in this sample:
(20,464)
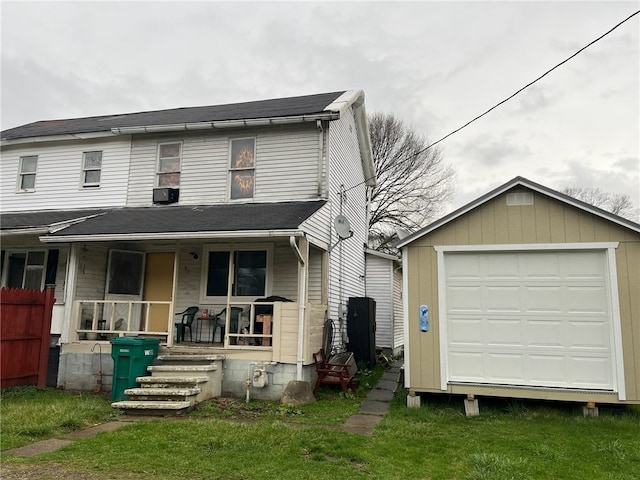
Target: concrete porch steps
(176,385)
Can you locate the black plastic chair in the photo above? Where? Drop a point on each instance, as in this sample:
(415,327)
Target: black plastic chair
(185,322)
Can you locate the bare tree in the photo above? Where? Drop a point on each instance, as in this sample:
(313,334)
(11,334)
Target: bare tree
(413,183)
(616,203)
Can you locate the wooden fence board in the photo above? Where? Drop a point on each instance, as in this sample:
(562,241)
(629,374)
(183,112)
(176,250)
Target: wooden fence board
(25,324)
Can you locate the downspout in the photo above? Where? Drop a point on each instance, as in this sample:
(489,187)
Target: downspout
(320,156)
(302,300)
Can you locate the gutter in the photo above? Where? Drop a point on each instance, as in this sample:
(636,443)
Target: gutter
(109,237)
(252,122)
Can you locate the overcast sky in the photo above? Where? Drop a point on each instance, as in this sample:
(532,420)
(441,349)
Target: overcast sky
(436,65)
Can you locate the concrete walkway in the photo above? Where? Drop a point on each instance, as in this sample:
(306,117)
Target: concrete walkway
(376,405)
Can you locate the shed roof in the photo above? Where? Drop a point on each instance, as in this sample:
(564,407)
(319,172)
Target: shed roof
(523,182)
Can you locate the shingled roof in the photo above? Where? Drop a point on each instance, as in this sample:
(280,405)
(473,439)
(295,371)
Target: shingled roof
(279,107)
(192,221)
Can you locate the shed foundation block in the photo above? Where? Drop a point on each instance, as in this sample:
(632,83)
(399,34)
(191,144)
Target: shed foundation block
(590,410)
(471,408)
(413,400)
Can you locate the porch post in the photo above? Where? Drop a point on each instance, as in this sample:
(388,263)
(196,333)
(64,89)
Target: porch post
(302,298)
(70,294)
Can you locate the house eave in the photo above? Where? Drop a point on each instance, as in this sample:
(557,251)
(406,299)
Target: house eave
(250,122)
(171,236)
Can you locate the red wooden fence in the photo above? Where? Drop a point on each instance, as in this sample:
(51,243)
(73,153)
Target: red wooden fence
(25,323)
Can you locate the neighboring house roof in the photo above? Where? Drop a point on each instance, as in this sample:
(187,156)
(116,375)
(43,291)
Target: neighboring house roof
(188,221)
(387,256)
(523,182)
(280,107)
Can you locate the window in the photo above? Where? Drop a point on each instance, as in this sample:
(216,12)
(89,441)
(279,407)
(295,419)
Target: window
(169,155)
(125,272)
(26,269)
(242,167)
(27,173)
(250,272)
(91,168)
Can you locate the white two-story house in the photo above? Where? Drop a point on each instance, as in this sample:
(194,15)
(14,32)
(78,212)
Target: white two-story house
(136,217)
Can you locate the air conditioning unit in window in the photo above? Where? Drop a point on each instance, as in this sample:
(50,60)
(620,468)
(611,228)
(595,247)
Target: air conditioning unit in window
(165,195)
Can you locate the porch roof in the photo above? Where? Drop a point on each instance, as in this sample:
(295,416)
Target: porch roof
(201,221)
(45,221)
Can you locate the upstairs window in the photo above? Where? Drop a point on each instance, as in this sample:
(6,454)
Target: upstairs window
(169,158)
(242,167)
(27,173)
(91,168)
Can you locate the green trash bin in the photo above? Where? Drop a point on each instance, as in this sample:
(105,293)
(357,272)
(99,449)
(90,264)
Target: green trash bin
(131,357)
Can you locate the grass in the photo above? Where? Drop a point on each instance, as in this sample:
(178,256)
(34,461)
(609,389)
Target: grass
(233,440)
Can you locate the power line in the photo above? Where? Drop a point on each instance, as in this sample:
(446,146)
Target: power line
(530,83)
(517,92)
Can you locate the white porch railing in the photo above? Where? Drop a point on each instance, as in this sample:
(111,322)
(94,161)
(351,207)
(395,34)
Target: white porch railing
(105,319)
(102,320)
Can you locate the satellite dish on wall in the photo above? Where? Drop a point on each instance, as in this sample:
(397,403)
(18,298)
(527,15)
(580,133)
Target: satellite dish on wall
(343,229)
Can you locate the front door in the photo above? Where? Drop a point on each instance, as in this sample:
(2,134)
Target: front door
(158,286)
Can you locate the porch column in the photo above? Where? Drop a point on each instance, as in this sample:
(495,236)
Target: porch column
(302,254)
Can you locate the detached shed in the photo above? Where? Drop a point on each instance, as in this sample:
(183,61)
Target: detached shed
(384,284)
(531,294)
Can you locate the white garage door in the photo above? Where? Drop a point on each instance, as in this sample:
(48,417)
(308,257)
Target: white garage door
(529,318)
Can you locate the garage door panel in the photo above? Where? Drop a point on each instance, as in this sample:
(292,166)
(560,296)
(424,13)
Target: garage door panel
(502,299)
(504,332)
(468,366)
(542,299)
(547,369)
(465,299)
(529,318)
(503,268)
(589,372)
(540,266)
(587,299)
(465,331)
(506,367)
(586,266)
(549,333)
(592,335)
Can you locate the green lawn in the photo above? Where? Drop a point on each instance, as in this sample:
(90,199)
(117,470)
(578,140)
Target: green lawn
(264,440)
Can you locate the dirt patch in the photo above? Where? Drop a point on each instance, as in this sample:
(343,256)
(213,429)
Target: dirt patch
(43,471)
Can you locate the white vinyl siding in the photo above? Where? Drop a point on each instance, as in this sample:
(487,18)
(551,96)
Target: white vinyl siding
(398,316)
(380,288)
(288,156)
(346,261)
(537,319)
(58,186)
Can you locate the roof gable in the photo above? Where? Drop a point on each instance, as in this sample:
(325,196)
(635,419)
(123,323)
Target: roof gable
(523,182)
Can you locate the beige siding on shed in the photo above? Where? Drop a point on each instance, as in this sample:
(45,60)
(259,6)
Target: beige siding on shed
(547,221)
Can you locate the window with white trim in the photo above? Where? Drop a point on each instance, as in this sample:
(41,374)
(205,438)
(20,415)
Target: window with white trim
(26,269)
(27,173)
(250,267)
(242,167)
(169,160)
(91,169)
